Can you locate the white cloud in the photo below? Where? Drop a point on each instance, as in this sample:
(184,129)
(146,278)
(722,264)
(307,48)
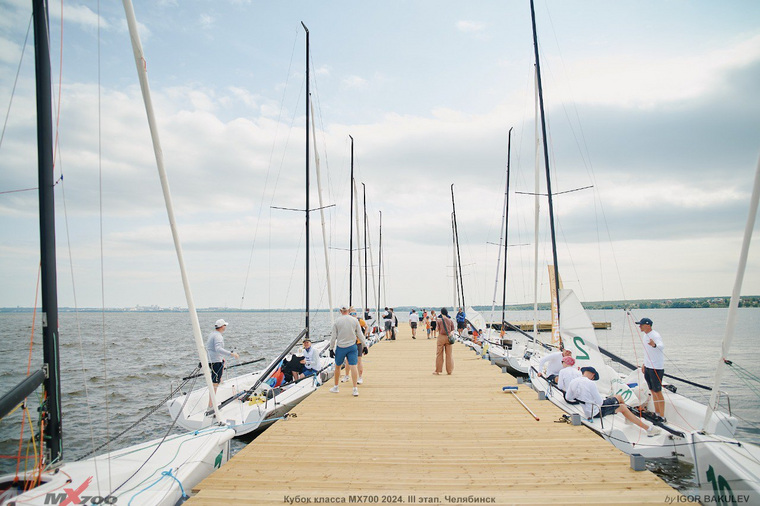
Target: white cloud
(78,14)
(639,80)
(354,82)
(470,26)
(206,21)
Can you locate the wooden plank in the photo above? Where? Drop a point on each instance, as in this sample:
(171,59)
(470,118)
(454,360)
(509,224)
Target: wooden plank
(412,435)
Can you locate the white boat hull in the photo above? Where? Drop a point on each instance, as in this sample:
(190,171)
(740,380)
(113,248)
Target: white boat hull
(727,470)
(255,414)
(119,477)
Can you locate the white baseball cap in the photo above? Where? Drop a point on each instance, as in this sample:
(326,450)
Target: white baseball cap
(220,323)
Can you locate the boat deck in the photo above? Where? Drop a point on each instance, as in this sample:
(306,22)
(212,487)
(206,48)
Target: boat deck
(415,438)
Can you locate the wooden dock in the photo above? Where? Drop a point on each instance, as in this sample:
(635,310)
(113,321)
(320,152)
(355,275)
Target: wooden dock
(415,438)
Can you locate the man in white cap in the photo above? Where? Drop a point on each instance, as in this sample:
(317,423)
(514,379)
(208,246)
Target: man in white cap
(216,353)
(654,364)
(345,332)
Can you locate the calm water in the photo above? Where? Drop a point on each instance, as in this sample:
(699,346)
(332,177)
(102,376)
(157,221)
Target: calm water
(147,353)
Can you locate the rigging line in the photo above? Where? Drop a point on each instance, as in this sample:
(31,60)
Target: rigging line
(269,168)
(15,81)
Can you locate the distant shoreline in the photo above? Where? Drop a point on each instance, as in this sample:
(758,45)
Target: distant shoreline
(682,303)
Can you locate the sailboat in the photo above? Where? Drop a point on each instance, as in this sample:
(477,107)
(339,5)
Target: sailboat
(728,470)
(161,471)
(577,334)
(252,402)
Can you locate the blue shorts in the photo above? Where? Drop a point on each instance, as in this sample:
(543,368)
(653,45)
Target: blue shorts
(654,378)
(609,406)
(217,368)
(309,372)
(349,353)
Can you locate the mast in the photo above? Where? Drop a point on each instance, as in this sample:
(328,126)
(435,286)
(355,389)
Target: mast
(380,265)
(506,231)
(351,231)
(51,408)
(459,256)
(546,154)
(735,296)
(308,98)
(158,152)
(362,288)
(366,249)
(322,216)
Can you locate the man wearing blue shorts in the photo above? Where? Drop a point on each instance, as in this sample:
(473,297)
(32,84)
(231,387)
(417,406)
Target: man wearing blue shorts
(345,331)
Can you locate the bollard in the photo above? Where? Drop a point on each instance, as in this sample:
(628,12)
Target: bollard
(638,463)
(575,418)
(541,395)
(504,371)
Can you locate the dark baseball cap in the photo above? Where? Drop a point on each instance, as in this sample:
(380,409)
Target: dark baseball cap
(644,321)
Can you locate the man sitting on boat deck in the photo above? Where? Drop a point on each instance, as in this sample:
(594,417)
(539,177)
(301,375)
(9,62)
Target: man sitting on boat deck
(583,389)
(310,359)
(568,373)
(553,363)
(345,331)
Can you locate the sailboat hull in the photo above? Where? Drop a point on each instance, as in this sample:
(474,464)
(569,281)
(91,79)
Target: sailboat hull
(171,468)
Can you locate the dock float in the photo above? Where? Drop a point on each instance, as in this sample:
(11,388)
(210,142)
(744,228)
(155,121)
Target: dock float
(412,437)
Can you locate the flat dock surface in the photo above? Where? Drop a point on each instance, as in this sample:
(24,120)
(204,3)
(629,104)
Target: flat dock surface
(415,438)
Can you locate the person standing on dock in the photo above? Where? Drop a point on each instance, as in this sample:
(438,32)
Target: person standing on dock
(461,317)
(654,364)
(433,323)
(345,331)
(443,347)
(216,353)
(426,319)
(414,319)
(388,323)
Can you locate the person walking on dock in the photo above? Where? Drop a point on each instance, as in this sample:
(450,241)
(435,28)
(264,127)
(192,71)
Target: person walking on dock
(654,364)
(443,347)
(426,319)
(414,319)
(345,331)
(433,323)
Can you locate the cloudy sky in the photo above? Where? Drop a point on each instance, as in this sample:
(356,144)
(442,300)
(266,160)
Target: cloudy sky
(653,104)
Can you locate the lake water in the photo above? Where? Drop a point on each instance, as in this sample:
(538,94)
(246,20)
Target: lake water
(117,366)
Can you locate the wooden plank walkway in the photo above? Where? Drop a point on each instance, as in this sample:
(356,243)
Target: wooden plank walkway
(413,438)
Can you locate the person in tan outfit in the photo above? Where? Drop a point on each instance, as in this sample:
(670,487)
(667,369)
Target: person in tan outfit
(445,326)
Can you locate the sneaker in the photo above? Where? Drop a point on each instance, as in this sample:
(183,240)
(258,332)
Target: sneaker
(653,431)
(356,392)
(359,381)
(343,379)
(334,389)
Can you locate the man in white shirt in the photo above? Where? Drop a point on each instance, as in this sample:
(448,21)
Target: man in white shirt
(216,353)
(414,319)
(654,364)
(553,363)
(568,373)
(345,331)
(583,390)
(310,359)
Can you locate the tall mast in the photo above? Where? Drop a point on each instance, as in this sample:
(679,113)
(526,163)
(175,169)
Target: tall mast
(459,256)
(366,248)
(380,264)
(52,384)
(351,231)
(308,98)
(506,231)
(546,155)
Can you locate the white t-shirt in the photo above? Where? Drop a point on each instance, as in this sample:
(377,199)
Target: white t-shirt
(566,375)
(654,357)
(584,390)
(553,362)
(311,358)
(414,317)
